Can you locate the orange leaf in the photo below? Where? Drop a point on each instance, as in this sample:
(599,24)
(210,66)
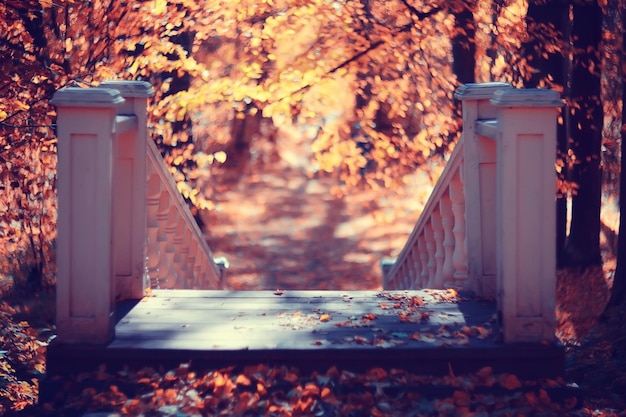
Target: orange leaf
(461,398)
(243,380)
(511,382)
(261,388)
(325,317)
(311,390)
(485,372)
(291,377)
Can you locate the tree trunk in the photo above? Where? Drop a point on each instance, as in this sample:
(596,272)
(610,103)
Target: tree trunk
(545,54)
(464,42)
(618,292)
(245,127)
(583,244)
(492,50)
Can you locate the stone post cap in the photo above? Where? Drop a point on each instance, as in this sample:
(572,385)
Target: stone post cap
(479,91)
(87,97)
(130,89)
(527,97)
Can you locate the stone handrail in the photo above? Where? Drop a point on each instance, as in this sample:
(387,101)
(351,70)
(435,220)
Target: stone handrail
(489,226)
(434,255)
(122,225)
(177,253)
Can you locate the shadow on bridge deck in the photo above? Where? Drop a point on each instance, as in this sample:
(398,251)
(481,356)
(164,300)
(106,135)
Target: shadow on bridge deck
(426,332)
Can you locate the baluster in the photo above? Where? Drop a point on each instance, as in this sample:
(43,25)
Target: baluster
(408,274)
(437,279)
(152,226)
(198,270)
(166,275)
(459,256)
(393,279)
(172,252)
(207,271)
(408,270)
(415,268)
(430,248)
(397,282)
(447,220)
(421,245)
(191,260)
(182,249)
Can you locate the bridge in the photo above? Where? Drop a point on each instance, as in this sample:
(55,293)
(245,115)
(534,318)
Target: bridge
(474,285)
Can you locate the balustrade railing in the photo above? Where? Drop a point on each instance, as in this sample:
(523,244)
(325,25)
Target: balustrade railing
(488,227)
(433,255)
(489,224)
(188,262)
(122,224)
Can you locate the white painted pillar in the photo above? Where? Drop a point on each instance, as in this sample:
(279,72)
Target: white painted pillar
(479,185)
(525,189)
(85,286)
(129,199)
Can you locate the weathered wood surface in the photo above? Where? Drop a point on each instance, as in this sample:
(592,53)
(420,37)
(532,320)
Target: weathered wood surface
(428,331)
(296,320)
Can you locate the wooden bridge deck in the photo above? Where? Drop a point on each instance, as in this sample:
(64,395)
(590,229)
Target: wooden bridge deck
(429,332)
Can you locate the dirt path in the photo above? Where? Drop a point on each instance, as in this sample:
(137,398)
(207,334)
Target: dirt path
(279,228)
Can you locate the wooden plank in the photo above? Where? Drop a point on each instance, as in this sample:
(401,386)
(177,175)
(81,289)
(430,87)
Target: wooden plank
(286,294)
(259,305)
(325,317)
(252,345)
(260,294)
(258,327)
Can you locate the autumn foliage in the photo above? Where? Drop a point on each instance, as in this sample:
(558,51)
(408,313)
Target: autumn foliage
(369,84)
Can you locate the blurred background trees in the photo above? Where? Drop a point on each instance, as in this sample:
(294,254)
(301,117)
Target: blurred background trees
(368,83)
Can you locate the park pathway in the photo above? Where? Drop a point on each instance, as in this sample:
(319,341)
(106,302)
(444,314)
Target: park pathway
(280,226)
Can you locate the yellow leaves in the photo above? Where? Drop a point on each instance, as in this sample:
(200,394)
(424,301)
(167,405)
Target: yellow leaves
(325,317)
(20,105)
(159,7)
(253,70)
(220,156)
(68,45)
(204,160)
(134,67)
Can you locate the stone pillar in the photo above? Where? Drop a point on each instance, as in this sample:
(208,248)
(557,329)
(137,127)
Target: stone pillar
(86,120)
(479,184)
(129,187)
(525,213)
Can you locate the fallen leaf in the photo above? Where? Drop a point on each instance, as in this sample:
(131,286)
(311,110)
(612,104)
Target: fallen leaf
(511,382)
(243,380)
(461,398)
(485,372)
